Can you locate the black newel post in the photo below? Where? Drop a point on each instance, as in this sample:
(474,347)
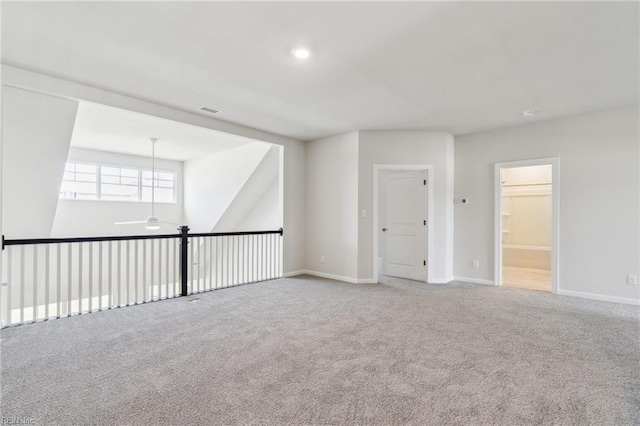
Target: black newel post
(184,259)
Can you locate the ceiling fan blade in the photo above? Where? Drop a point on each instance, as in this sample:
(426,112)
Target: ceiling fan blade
(135,222)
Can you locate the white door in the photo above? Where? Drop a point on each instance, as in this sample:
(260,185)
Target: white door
(404,225)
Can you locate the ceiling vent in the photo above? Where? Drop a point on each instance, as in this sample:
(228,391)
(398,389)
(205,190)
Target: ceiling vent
(209,110)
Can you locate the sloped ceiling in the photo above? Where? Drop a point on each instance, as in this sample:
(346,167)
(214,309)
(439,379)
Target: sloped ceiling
(452,66)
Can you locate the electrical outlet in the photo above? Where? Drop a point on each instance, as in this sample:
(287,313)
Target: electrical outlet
(363,213)
(475,264)
(321,259)
(632,279)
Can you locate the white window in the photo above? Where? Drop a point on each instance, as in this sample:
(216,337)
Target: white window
(113,183)
(79,181)
(118,183)
(163,183)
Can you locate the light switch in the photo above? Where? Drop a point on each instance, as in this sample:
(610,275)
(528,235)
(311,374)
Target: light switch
(364,213)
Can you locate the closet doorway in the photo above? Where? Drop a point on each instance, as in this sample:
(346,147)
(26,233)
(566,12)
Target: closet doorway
(527,224)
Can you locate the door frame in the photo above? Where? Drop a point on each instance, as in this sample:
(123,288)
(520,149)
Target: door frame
(428,169)
(554,162)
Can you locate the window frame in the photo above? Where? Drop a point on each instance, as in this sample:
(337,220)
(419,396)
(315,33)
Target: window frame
(139,170)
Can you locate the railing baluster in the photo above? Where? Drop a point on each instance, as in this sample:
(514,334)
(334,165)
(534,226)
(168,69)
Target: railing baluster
(228,263)
(252,258)
(232,264)
(80,250)
(46,281)
(35,283)
(118,288)
(127,266)
(218,261)
(110,276)
(90,277)
(175,268)
(199,263)
(270,255)
(159,269)
(144,271)
(100,304)
(9,285)
(192,242)
(237,260)
(206,262)
(262,262)
(58,282)
(151,269)
(166,275)
(209,241)
(136,276)
(69,278)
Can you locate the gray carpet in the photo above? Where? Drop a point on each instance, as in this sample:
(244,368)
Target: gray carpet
(311,351)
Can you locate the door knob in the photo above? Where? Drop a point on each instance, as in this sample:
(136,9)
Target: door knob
(384,229)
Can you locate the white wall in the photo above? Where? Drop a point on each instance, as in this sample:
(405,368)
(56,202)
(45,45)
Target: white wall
(255,206)
(212,183)
(332,206)
(294,150)
(36,132)
(97,217)
(408,147)
(599,197)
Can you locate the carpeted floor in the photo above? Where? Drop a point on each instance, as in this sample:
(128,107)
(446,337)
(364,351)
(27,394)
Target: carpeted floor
(312,351)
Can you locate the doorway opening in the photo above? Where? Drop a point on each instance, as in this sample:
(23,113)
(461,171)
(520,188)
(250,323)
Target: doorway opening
(526,218)
(402,218)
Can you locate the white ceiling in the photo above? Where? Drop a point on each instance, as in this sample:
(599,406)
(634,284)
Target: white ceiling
(453,66)
(111,129)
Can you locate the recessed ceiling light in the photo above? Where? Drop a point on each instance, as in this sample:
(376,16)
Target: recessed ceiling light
(301,52)
(528,113)
(209,110)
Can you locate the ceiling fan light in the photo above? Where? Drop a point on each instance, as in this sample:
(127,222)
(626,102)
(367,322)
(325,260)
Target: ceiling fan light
(152,223)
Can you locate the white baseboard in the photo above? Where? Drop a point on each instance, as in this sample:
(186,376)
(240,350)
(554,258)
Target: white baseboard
(293,273)
(331,276)
(440,281)
(601,297)
(475,280)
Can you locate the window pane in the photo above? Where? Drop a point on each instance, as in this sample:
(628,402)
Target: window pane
(111,171)
(77,190)
(86,168)
(129,180)
(162,195)
(79,181)
(129,173)
(118,192)
(110,179)
(85,177)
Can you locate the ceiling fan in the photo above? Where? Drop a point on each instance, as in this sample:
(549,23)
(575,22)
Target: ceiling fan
(152,222)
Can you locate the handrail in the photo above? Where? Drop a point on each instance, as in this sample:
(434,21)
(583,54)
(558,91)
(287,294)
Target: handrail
(223,234)
(30,241)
